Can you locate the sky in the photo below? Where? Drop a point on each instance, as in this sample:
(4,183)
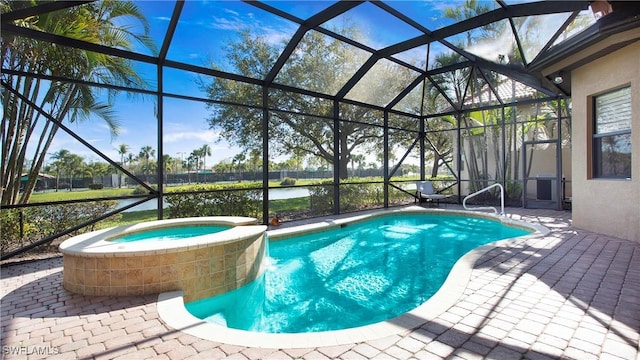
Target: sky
(204,29)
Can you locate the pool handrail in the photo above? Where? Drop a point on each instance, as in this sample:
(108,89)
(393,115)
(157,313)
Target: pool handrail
(464,201)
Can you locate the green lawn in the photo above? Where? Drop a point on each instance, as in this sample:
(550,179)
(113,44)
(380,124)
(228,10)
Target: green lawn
(295,204)
(64,195)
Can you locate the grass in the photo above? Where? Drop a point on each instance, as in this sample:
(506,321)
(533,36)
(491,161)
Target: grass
(79,194)
(295,204)
(138,216)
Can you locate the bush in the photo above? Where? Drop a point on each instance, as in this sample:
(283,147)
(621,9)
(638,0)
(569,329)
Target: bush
(352,197)
(40,222)
(288,182)
(360,196)
(513,190)
(141,190)
(321,198)
(215,202)
(96,186)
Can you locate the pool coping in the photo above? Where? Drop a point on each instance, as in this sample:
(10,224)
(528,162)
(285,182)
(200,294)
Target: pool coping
(173,312)
(96,243)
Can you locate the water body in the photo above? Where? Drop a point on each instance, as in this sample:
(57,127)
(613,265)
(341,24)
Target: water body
(274,194)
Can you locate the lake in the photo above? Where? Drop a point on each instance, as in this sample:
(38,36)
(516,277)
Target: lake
(274,194)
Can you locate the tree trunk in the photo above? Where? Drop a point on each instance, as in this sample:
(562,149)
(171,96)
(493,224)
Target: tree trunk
(46,139)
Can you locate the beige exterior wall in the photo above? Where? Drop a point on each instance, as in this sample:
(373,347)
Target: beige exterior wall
(606,206)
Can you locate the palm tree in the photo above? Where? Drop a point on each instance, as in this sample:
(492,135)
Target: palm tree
(197,155)
(468,10)
(238,164)
(97,169)
(356,159)
(96,22)
(123,149)
(205,151)
(74,164)
(130,158)
(146,152)
(59,158)
(167,164)
(191,160)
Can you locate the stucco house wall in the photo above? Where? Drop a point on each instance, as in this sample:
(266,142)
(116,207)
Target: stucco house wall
(607,206)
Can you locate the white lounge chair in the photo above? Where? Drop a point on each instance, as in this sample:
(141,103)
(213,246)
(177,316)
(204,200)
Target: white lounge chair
(425,192)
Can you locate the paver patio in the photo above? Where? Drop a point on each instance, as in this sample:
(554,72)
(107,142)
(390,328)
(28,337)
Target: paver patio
(572,294)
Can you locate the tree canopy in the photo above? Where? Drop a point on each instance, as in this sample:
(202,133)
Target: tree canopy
(28,131)
(300,123)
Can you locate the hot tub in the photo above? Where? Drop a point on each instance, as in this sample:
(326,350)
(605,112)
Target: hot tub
(201,266)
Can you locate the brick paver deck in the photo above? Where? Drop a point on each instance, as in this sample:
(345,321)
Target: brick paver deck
(572,294)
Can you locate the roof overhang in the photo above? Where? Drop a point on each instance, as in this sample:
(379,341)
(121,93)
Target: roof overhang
(612,32)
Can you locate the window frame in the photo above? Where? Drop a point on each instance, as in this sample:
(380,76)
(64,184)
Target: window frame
(596,138)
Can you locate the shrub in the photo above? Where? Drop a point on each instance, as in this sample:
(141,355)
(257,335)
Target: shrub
(360,196)
(96,186)
(352,197)
(288,182)
(513,190)
(321,198)
(141,190)
(215,202)
(40,222)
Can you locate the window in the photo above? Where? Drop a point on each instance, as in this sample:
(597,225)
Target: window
(612,134)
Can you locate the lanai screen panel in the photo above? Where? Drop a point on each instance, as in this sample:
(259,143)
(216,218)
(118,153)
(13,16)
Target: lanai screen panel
(363,24)
(321,63)
(231,36)
(382,83)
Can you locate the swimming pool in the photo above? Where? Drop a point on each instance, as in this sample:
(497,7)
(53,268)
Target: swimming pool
(173,312)
(352,275)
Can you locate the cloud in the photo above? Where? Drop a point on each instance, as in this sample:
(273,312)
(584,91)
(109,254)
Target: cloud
(491,48)
(221,23)
(234,21)
(200,136)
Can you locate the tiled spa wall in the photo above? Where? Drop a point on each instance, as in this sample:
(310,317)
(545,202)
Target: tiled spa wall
(199,273)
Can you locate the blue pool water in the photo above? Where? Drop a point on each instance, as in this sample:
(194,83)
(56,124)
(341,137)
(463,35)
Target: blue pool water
(171,233)
(359,274)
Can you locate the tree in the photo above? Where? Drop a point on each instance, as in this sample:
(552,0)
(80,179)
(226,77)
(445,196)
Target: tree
(168,164)
(95,168)
(28,134)
(239,162)
(59,158)
(74,164)
(189,164)
(319,63)
(205,151)
(123,149)
(146,153)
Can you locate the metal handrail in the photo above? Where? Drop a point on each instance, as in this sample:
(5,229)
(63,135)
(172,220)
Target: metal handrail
(464,202)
